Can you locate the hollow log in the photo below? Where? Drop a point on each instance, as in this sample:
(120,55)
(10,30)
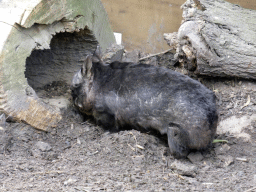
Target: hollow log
(43,42)
(217,38)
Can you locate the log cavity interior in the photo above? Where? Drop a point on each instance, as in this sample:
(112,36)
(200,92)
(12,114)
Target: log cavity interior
(49,72)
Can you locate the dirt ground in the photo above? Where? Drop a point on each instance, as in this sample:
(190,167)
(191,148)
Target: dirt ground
(78,156)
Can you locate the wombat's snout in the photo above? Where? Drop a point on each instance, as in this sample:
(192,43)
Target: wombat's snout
(74,86)
(177,140)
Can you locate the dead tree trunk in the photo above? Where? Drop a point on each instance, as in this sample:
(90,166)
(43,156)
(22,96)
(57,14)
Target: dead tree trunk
(217,38)
(27,27)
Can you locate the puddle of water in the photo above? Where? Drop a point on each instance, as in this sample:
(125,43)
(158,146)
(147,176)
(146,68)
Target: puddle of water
(143,22)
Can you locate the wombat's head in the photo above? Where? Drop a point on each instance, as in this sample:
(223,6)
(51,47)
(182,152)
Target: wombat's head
(184,139)
(82,82)
(86,69)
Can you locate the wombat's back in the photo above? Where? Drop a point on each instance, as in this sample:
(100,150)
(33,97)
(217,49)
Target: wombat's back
(147,92)
(149,97)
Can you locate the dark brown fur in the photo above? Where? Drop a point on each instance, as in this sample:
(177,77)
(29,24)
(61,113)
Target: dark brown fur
(148,97)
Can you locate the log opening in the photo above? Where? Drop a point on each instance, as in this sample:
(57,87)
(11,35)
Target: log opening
(49,71)
(40,46)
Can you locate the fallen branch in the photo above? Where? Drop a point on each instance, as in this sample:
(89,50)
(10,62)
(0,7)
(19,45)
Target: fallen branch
(217,38)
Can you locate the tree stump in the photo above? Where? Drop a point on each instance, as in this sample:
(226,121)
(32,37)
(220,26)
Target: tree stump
(217,38)
(43,42)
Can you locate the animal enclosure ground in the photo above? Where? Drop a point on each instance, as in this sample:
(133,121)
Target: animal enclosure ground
(78,156)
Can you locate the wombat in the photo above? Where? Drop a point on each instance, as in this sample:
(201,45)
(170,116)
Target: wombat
(147,97)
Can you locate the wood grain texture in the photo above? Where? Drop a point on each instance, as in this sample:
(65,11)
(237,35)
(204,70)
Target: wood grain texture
(218,38)
(30,26)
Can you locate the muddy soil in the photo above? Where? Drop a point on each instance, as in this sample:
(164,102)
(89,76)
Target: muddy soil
(78,156)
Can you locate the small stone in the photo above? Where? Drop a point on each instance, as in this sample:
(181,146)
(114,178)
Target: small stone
(114,53)
(1,176)
(240,173)
(43,146)
(70,181)
(222,149)
(184,168)
(36,153)
(195,157)
(191,180)
(137,159)
(59,102)
(78,141)
(228,160)
(132,56)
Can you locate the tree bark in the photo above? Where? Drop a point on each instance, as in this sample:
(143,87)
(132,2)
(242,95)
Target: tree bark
(217,38)
(30,25)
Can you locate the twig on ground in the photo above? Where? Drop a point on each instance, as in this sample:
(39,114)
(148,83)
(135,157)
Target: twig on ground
(247,103)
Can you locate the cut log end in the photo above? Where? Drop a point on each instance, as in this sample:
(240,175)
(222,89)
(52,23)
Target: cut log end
(38,115)
(45,49)
(217,38)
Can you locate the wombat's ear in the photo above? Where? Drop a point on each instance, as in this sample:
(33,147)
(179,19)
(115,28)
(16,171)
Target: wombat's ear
(87,66)
(97,55)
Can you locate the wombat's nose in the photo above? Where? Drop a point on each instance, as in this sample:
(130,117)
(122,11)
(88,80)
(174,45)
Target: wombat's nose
(177,142)
(180,154)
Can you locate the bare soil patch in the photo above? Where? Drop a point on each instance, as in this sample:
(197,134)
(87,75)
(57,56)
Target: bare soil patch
(78,155)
